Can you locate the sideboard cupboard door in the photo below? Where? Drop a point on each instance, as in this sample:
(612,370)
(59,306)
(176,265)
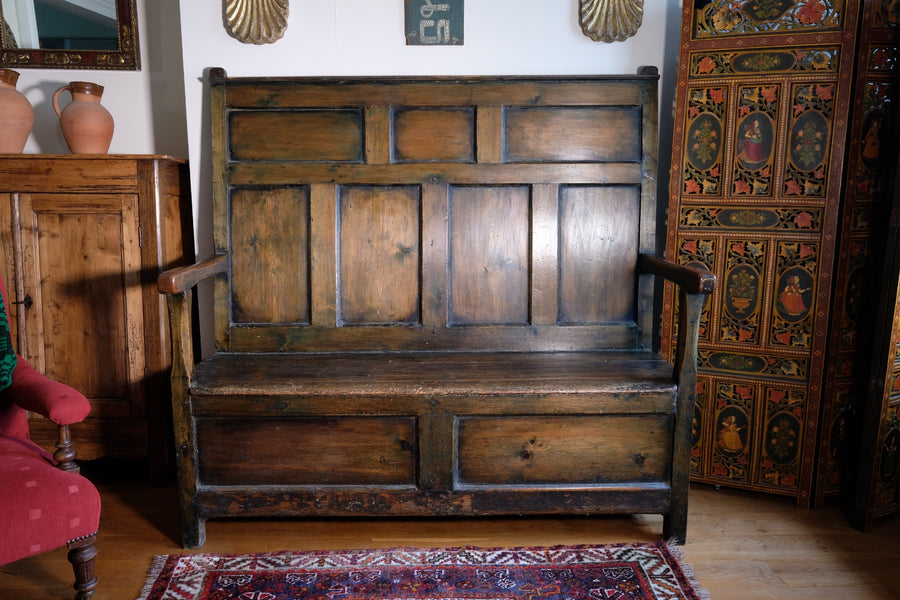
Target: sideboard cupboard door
(83,240)
(81,268)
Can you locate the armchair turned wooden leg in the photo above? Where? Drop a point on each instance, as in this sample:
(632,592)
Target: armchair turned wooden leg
(65,451)
(82,554)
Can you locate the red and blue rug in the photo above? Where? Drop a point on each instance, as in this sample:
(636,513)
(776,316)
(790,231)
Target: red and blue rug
(613,572)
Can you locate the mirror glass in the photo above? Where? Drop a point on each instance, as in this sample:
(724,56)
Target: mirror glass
(69,34)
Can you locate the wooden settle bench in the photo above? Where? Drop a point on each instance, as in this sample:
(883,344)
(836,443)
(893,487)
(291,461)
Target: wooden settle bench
(433,297)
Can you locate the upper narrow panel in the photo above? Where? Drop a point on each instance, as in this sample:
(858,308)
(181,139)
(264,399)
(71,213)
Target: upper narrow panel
(297,135)
(572,134)
(432,135)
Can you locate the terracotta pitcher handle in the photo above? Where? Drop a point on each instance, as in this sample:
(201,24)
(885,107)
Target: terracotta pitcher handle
(56,98)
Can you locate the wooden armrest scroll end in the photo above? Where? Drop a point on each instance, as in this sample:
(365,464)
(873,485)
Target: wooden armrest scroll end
(694,280)
(181,279)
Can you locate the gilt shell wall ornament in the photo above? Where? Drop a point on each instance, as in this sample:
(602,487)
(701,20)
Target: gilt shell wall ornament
(611,20)
(256,21)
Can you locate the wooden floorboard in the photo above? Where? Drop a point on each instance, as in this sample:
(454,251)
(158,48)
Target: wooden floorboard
(742,546)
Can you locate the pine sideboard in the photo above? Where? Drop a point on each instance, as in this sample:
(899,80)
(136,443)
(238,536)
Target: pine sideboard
(83,239)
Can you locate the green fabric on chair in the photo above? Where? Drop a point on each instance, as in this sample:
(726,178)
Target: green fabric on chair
(7,352)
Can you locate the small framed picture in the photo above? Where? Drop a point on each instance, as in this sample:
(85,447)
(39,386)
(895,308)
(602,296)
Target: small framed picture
(434,22)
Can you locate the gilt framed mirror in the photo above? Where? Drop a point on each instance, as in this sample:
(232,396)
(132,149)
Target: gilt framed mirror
(69,34)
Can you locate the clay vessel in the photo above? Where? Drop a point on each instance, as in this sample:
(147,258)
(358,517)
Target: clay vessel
(16,114)
(85,123)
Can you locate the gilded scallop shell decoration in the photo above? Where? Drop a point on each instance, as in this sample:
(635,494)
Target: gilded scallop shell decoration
(611,20)
(256,21)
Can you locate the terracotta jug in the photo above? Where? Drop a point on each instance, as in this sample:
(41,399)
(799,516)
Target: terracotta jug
(86,124)
(16,114)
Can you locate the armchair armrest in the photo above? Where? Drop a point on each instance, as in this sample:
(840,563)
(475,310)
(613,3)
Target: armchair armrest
(692,280)
(34,391)
(181,279)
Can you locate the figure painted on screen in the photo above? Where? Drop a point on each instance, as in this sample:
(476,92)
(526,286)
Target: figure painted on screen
(791,297)
(730,435)
(752,150)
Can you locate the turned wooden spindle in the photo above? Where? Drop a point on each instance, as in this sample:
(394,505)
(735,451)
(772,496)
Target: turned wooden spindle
(65,451)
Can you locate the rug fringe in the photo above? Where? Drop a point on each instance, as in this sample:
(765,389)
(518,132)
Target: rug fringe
(678,552)
(156,567)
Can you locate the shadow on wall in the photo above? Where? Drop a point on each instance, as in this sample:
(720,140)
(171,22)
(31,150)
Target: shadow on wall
(46,132)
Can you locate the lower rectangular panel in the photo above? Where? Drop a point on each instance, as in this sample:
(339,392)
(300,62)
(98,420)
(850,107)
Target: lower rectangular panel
(578,450)
(307,451)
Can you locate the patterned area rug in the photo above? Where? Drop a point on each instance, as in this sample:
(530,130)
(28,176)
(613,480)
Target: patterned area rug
(615,572)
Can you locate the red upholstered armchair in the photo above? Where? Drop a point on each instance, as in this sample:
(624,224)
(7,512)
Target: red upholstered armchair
(46,504)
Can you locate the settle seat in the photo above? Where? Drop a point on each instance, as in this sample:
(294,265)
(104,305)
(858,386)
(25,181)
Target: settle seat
(46,503)
(433,297)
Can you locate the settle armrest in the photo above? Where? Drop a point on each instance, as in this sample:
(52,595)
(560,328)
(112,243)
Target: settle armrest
(692,280)
(181,279)
(35,392)
(178,285)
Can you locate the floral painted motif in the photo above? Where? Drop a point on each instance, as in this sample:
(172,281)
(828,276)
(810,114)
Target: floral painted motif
(788,368)
(697,251)
(759,218)
(782,437)
(767,10)
(744,268)
(703,142)
(785,414)
(800,60)
(884,58)
(809,140)
(697,436)
(701,253)
(730,17)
